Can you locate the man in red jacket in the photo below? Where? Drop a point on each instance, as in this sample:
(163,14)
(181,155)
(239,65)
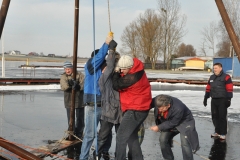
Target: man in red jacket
(135,99)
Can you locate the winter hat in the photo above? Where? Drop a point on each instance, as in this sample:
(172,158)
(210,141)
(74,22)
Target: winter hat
(67,64)
(125,62)
(96,51)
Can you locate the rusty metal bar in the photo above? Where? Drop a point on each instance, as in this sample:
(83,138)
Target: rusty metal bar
(3,14)
(229,27)
(17,150)
(75,49)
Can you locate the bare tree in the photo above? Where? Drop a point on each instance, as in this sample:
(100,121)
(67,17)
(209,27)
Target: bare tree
(174,23)
(149,31)
(185,50)
(223,49)
(209,36)
(129,40)
(203,49)
(143,37)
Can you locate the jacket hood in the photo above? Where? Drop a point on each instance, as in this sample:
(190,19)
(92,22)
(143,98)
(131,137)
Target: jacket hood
(137,66)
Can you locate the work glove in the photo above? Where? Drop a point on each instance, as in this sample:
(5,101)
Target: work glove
(112,45)
(108,39)
(74,84)
(205,101)
(71,82)
(228,102)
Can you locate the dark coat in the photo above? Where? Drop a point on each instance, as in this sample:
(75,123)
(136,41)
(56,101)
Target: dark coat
(180,117)
(68,90)
(110,101)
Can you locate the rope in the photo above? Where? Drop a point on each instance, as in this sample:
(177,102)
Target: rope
(95,93)
(109,17)
(194,153)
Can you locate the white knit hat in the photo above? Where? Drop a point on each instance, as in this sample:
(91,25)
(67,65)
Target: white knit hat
(125,62)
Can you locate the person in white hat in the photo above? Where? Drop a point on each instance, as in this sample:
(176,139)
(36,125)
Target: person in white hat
(135,97)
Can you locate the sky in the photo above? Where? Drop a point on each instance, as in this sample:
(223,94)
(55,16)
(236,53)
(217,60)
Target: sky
(47,26)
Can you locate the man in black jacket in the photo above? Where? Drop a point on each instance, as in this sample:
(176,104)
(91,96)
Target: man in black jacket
(220,89)
(173,117)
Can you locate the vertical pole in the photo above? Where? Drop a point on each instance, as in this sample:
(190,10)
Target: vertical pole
(3,14)
(95,88)
(232,61)
(229,27)
(75,48)
(3,58)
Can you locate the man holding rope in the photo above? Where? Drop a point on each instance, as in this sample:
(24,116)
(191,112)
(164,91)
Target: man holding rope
(173,117)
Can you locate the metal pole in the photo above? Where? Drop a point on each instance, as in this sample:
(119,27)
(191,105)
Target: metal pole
(17,150)
(3,14)
(3,58)
(75,48)
(229,27)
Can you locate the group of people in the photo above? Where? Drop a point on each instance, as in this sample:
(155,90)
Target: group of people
(119,89)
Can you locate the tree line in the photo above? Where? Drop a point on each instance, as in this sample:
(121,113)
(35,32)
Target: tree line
(155,33)
(158,33)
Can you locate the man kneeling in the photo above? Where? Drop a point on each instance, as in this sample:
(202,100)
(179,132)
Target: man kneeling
(173,117)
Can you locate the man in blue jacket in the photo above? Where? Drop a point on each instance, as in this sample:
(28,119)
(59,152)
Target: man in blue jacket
(173,117)
(89,96)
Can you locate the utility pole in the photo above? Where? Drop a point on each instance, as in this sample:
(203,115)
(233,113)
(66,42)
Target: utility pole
(165,41)
(3,58)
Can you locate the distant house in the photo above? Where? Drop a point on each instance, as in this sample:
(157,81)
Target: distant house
(14,52)
(195,63)
(179,62)
(198,63)
(51,55)
(32,54)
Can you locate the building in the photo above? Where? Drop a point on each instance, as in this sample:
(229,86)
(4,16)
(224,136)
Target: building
(14,52)
(195,63)
(225,61)
(32,54)
(230,65)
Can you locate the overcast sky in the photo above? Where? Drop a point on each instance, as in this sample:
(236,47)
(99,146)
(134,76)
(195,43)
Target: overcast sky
(48,25)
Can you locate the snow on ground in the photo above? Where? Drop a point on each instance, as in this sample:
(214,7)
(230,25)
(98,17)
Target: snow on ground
(30,87)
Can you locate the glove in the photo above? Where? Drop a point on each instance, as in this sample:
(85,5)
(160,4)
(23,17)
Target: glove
(71,82)
(205,101)
(108,39)
(228,103)
(112,45)
(74,84)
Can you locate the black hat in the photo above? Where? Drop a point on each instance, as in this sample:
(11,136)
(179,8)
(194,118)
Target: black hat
(96,51)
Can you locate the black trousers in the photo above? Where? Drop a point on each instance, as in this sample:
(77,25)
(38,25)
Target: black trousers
(128,135)
(105,134)
(219,115)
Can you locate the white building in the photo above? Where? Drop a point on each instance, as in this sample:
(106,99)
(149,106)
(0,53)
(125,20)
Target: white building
(14,52)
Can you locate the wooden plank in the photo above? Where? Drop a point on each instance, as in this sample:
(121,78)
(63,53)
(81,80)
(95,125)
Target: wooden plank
(53,148)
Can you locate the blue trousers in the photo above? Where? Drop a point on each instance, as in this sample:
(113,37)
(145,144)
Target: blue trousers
(90,131)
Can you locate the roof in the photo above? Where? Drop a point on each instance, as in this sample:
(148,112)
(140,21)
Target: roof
(195,57)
